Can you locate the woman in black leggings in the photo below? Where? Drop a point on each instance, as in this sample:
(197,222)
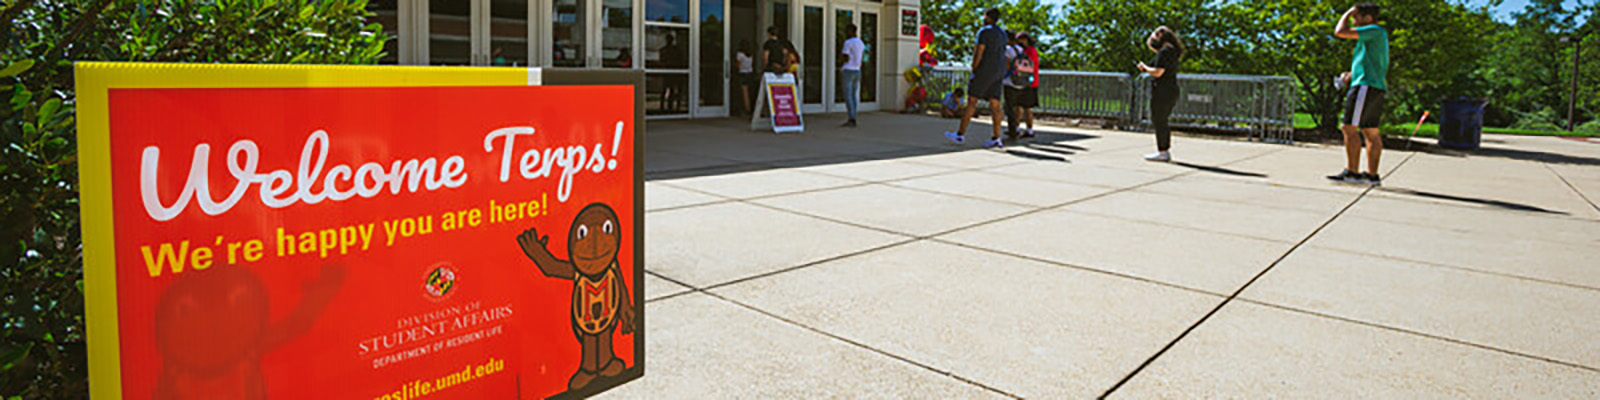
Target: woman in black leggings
(1164,91)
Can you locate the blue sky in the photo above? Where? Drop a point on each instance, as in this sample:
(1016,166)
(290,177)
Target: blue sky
(1510,6)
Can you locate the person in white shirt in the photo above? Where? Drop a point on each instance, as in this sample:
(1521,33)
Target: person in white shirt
(746,75)
(853,53)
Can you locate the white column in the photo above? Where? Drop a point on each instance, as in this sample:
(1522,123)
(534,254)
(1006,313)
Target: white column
(899,52)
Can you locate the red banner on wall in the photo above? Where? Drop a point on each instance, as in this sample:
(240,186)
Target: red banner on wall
(375,242)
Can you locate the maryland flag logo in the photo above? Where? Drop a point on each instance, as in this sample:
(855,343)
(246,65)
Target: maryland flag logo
(440,281)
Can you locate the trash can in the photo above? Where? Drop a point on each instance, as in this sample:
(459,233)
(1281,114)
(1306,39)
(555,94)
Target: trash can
(1461,123)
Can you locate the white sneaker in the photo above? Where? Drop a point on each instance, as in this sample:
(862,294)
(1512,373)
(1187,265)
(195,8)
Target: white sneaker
(1160,156)
(956,138)
(993,144)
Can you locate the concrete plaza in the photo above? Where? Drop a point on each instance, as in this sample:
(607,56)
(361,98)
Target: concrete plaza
(880,262)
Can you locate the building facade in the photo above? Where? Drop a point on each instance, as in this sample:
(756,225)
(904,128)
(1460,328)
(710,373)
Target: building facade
(688,49)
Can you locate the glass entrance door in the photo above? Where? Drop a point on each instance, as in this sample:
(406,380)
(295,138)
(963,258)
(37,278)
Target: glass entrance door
(865,18)
(591,33)
(667,42)
(475,32)
(812,57)
(712,64)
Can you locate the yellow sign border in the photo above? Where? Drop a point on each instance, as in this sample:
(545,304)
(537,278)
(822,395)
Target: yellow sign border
(94,81)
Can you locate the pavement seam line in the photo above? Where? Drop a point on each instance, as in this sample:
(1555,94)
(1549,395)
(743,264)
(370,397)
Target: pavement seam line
(863,346)
(1420,334)
(1460,268)
(686,285)
(1092,197)
(1151,360)
(1079,267)
(707,291)
(809,264)
(1571,186)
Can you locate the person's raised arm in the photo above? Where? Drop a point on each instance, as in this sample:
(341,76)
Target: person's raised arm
(1154,72)
(1344,30)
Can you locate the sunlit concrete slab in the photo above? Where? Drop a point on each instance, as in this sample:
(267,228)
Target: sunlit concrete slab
(655,287)
(911,212)
(1029,329)
(699,347)
(1529,257)
(1489,182)
(659,196)
(1534,318)
(1117,178)
(1004,189)
(1254,193)
(1253,220)
(883,262)
(1253,351)
(1308,166)
(1210,261)
(713,244)
(1489,222)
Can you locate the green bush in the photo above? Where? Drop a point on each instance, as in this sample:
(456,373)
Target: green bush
(1542,120)
(43,353)
(1592,126)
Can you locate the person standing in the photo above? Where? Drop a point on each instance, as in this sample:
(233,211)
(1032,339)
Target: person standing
(776,52)
(988,70)
(853,52)
(1022,85)
(1363,105)
(746,76)
(1164,90)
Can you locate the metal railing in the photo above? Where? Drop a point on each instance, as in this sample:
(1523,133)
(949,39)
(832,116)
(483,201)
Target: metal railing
(1260,106)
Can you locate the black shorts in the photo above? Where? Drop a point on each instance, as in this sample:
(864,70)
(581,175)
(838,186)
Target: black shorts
(986,89)
(1027,97)
(1363,107)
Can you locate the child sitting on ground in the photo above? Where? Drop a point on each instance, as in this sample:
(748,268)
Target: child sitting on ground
(954,104)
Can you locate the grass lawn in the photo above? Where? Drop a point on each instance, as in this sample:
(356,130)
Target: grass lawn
(1304,121)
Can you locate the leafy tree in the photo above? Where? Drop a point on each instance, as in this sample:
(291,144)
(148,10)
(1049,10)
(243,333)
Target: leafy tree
(1525,70)
(43,354)
(955,25)
(1435,45)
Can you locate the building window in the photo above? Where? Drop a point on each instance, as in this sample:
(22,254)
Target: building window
(675,11)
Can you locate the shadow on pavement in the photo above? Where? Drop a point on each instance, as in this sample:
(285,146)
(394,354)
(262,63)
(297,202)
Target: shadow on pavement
(1526,155)
(1486,202)
(883,137)
(1514,154)
(1219,170)
(1044,156)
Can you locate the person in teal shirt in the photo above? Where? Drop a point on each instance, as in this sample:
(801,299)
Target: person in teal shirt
(1363,104)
